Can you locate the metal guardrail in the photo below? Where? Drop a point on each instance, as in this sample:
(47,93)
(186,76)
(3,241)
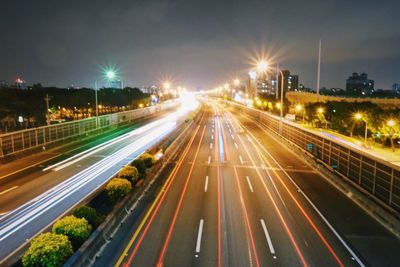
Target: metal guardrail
(380,178)
(19,141)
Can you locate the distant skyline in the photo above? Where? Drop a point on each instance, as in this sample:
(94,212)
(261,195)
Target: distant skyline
(197,44)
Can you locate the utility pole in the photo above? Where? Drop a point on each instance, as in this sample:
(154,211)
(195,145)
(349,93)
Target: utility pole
(319,69)
(47,99)
(97,106)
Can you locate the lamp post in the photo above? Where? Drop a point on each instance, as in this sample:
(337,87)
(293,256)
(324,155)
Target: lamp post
(359,116)
(299,108)
(391,123)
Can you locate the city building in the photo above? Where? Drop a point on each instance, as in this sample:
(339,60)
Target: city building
(359,84)
(3,84)
(396,88)
(116,84)
(151,90)
(20,83)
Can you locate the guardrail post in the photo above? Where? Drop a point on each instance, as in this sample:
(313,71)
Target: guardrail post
(374,181)
(348,162)
(360,168)
(391,187)
(12,143)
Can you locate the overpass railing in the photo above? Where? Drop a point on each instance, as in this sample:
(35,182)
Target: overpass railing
(19,141)
(378,177)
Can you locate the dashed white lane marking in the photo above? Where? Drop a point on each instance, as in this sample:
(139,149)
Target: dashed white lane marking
(8,190)
(199,234)
(211,145)
(209,159)
(206,184)
(236,146)
(241,160)
(250,186)
(232,137)
(270,246)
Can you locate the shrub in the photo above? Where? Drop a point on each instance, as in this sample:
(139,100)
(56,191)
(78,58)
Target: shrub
(148,159)
(48,249)
(77,229)
(118,188)
(140,165)
(130,173)
(90,214)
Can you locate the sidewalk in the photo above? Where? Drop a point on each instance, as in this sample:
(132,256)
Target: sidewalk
(377,151)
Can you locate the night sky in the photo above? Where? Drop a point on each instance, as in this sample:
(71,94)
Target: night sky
(197,43)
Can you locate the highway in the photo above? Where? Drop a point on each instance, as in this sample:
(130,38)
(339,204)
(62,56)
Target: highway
(238,197)
(53,190)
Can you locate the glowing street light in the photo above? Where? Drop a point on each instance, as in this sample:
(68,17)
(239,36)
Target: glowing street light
(110,74)
(262,66)
(391,123)
(359,116)
(299,108)
(167,85)
(226,86)
(236,82)
(320,110)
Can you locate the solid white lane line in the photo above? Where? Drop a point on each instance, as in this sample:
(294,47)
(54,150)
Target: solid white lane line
(270,246)
(236,146)
(206,184)
(199,234)
(210,145)
(241,160)
(8,190)
(209,159)
(250,186)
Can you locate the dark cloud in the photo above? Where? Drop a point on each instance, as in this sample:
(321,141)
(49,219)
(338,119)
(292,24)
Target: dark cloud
(199,43)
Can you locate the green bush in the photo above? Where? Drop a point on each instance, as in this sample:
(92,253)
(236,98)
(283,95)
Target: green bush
(118,188)
(130,173)
(148,159)
(77,229)
(48,249)
(140,165)
(90,214)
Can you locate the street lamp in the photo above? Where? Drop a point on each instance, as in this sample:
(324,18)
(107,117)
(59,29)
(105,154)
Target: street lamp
(262,66)
(359,116)
(299,108)
(391,123)
(236,82)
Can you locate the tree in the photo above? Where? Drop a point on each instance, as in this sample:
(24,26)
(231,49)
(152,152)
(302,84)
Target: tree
(130,173)
(77,229)
(117,189)
(48,249)
(90,214)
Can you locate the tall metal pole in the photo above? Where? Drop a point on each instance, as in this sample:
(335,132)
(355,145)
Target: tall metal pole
(97,106)
(281,113)
(366,133)
(319,69)
(47,99)
(277,79)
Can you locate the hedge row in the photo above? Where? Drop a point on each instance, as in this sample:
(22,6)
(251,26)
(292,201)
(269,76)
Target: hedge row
(69,233)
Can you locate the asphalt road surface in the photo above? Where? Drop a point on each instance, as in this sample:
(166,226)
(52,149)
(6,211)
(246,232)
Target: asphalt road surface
(238,197)
(30,200)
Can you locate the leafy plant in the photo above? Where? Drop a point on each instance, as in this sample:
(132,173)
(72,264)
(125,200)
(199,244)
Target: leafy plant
(48,249)
(130,173)
(148,159)
(118,188)
(77,229)
(90,214)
